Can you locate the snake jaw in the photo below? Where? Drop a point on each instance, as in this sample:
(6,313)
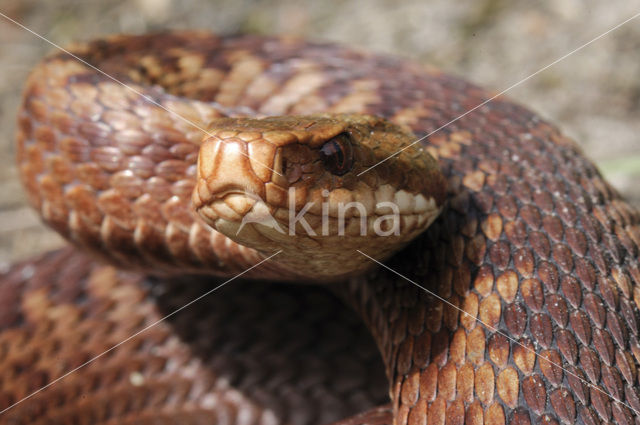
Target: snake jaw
(272,184)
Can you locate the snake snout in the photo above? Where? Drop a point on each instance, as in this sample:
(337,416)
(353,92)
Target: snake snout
(224,169)
(227,187)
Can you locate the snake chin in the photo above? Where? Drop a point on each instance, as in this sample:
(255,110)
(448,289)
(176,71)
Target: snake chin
(330,234)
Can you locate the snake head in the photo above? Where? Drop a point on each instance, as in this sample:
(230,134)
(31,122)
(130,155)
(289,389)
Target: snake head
(315,188)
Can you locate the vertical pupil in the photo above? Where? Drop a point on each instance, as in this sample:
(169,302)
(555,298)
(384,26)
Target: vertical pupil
(336,155)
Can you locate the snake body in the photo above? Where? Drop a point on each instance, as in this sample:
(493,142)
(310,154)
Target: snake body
(533,262)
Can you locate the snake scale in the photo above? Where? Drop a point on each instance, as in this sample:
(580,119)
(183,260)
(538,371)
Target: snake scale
(532,264)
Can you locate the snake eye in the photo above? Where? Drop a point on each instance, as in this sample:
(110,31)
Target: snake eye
(337,154)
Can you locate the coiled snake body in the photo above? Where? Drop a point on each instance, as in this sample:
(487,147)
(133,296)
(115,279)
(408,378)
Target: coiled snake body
(534,255)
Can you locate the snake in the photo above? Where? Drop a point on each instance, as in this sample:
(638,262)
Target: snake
(490,272)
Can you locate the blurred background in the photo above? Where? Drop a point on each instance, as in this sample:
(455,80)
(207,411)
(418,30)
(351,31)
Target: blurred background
(593,95)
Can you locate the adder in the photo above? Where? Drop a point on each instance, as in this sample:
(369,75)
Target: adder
(518,303)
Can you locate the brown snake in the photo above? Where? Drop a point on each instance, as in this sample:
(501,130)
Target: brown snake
(538,251)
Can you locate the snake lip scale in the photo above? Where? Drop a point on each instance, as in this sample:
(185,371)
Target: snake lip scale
(499,214)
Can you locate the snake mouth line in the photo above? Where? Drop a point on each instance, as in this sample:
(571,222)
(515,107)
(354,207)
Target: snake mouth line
(385,218)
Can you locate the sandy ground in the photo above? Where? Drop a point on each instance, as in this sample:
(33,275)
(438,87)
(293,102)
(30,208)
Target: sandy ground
(594,94)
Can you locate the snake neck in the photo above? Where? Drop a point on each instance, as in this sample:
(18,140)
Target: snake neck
(430,359)
(385,309)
